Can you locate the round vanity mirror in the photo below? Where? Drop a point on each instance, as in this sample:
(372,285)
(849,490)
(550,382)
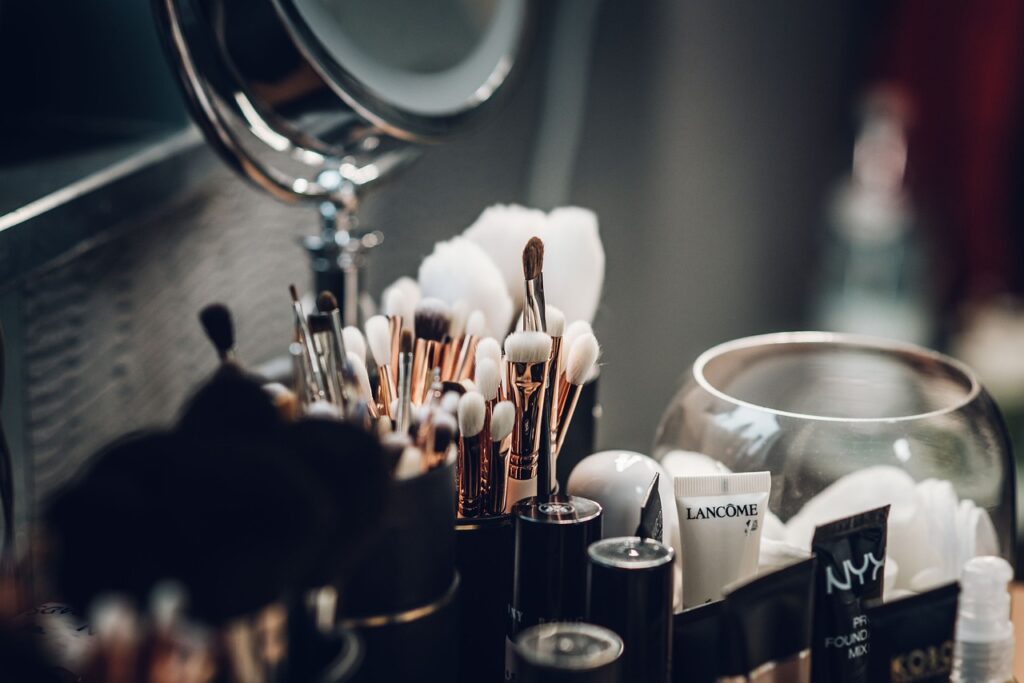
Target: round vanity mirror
(288,89)
(321,99)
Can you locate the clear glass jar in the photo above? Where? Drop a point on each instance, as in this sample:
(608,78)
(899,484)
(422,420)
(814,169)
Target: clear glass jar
(819,409)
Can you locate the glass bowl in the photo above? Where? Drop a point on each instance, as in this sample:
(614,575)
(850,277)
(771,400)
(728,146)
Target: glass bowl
(845,423)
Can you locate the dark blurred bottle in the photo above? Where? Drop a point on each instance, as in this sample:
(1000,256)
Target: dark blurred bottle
(874,277)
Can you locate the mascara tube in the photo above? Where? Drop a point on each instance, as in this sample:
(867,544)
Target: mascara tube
(631,589)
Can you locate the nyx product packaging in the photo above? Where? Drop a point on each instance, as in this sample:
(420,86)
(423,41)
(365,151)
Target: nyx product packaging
(850,572)
(913,639)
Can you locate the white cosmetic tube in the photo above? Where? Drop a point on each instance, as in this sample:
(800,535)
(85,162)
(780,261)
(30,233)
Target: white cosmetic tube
(720,521)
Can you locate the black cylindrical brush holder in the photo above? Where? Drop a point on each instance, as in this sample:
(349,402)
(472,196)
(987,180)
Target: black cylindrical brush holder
(631,585)
(550,578)
(484,556)
(411,562)
(402,598)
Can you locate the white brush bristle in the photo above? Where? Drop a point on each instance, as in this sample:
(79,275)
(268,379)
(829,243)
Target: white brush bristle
(527,347)
(459,270)
(476,324)
(378,338)
(488,347)
(573,262)
(471,414)
(406,303)
(581,359)
(450,402)
(323,410)
(555,320)
(503,419)
(460,314)
(572,333)
(487,378)
(410,464)
(469,384)
(354,342)
(362,377)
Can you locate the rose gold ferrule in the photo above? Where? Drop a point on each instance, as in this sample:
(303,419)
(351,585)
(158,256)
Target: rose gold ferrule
(395,329)
(554,373)
(385,390)
(526,387)
(572,398)
(466,363)
(427,358)
(534,315)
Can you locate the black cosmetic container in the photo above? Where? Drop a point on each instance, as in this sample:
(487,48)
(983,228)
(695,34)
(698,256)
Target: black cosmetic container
(631,593)
(696,643)
(550,580)
(402,599)
(569,653)
(484,548)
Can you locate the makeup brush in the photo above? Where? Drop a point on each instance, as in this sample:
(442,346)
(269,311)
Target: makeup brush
(363,382)
(404,388)
(410,464)
(503,417)
(396,309)
(534,306)
(401,298)
(468,469)
(528,356)
(575,262)
(321,327)
(327,303)
(444,428)
(316,379)
(572,332)
(216,322)
(579,364)
(378,338)
(355,343)
(555,321)
(488,380)
(475,329)
(433,319)
(455,340)
(459,270)
(488,347)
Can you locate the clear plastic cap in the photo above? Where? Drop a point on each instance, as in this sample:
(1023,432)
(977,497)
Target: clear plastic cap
(985,600)
(984,633)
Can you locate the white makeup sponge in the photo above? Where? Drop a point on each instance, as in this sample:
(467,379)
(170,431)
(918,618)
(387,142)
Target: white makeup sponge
(459,270)
(859,491)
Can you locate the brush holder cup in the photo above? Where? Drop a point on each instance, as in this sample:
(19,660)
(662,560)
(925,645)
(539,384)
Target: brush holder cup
(845,424)
(401,600)
(485,552)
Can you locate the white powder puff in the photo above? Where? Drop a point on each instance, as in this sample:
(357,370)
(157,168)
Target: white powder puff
(459,270)
(503,231)
(573,262)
